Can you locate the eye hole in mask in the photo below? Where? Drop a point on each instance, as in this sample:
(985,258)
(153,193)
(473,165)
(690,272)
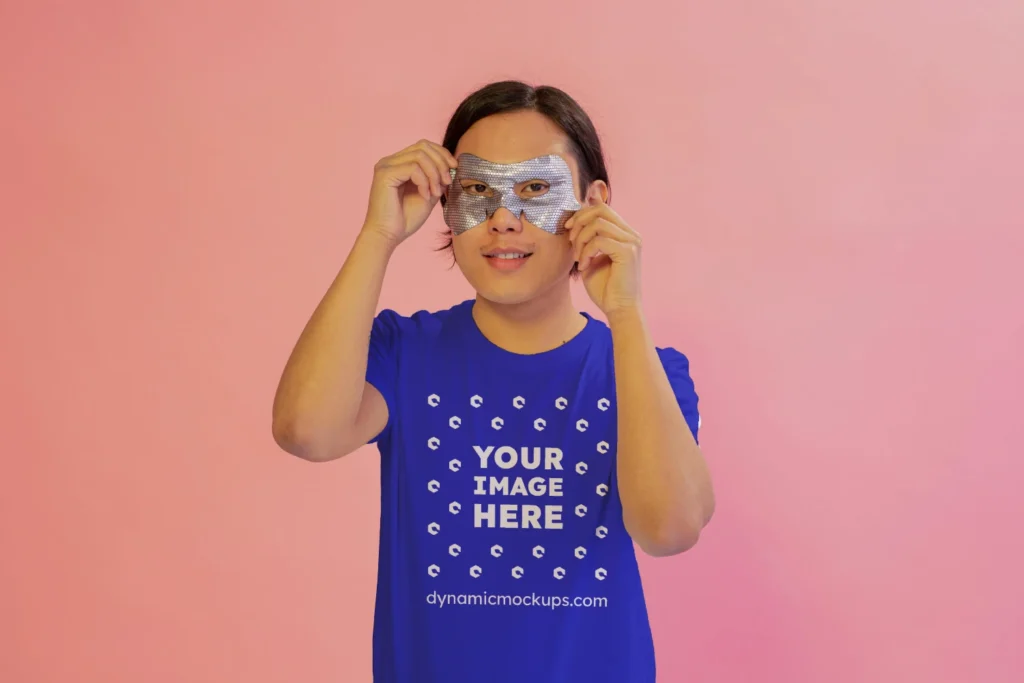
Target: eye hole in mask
(540,190)
(529,190)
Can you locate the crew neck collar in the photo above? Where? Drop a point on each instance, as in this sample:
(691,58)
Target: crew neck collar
(571,347)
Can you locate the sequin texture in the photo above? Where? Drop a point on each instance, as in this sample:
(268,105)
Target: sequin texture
(549,211)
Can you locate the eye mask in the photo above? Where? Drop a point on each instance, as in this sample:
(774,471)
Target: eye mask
(547,211)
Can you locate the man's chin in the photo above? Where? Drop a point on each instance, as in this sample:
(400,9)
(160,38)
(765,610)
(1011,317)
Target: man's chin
(510,289)
(507,295)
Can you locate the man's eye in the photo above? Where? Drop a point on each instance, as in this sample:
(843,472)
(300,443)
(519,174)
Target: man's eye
(476,188)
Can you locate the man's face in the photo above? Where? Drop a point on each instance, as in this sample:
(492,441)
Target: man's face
(540,190)
(504,256)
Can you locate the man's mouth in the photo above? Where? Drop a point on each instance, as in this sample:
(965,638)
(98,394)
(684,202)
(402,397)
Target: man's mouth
(509,256)
(507,253)
(507,259)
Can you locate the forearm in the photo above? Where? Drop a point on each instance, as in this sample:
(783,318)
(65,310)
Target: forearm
(664,484)
(321,388)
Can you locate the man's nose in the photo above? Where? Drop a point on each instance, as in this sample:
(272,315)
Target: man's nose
(504,221)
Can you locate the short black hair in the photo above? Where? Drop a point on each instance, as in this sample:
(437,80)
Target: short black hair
(504,97)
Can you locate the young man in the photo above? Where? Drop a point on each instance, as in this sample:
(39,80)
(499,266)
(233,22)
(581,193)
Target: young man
(524,446)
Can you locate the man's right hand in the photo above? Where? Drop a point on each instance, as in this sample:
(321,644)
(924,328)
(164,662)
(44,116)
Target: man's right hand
(406,188)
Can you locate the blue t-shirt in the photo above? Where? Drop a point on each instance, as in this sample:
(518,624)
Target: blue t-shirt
(503,556)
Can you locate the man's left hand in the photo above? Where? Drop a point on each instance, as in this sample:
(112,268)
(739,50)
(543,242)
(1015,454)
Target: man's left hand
(607,250)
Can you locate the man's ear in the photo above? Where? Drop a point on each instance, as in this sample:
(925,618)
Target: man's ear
(598,192)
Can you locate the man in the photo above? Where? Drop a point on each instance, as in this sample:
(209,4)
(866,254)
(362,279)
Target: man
(525,446)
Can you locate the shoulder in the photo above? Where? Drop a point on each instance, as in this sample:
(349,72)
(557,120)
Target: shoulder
(416,326)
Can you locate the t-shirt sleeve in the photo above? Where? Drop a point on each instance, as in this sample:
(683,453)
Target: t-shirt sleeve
(382,361)
(677,367)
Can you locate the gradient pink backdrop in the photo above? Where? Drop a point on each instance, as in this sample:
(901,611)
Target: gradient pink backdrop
(830,198)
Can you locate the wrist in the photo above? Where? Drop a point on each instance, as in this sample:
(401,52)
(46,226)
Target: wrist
(376,239)
(625,316)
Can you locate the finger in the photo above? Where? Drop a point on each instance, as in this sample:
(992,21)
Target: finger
(590,211)
(581,234)
(581,220)
(433,170)
(581,217)
(603,228)
(600,210)
(449,158)
(422,182)
(419,144)
(398,174)
(425,162)
(439,155)
(442,157)
(613,249)
(426,145)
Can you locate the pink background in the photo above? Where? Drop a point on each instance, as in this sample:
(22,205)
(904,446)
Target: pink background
(827,192)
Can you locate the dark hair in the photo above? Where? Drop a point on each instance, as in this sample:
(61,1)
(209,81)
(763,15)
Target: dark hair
(506,97)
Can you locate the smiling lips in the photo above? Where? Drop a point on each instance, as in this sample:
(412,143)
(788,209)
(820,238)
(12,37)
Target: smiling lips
(507,258)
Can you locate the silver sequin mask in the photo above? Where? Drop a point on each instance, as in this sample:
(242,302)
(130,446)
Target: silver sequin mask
(549,211)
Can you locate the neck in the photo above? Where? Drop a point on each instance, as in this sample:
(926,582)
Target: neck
(530,327)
